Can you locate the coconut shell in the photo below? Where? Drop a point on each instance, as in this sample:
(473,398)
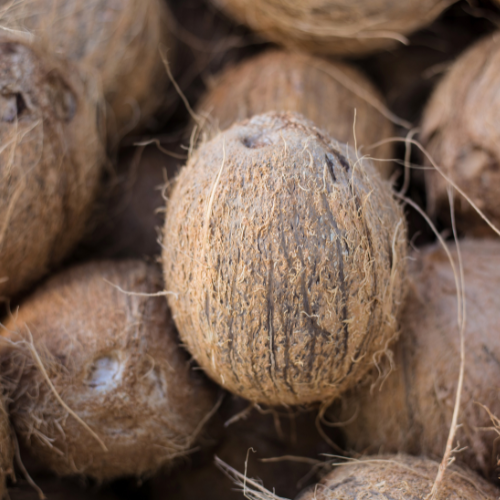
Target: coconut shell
(460,131)
(326,92)
(50,161)
(118,39)
(398,477)
(412,409)
(335,26)
(287,258)
(115,361)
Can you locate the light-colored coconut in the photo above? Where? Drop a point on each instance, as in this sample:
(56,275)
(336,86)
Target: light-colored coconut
(118,39)
(398,477)
(287,257)
(326,92)
(412,409)
(115,362)
(335,26)
(461,131)
(50,161)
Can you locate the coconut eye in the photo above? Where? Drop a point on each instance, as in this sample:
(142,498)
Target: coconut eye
(255,142)
(105,373)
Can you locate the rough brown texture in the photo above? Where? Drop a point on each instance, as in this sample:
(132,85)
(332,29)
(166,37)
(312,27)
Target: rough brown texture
(50,161)
(115,361)
(335,26)
(412,410)
(6,450)
(326,92)
(118,39)
(398,477)
(287,256)
(460,131)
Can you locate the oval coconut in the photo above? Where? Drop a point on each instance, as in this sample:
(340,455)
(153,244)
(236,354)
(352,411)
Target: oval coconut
(287,255)
(115,362)
(398,477)
(338,27)
(460,131)
(326,92)
(117,39)
(50,161)
(412,409)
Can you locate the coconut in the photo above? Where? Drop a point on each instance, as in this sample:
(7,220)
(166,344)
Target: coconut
(412,409)
(398,477)
(98,383)
(336,26)
(118,39)
(50,161)
(327,92)
(286,254)
(464,140)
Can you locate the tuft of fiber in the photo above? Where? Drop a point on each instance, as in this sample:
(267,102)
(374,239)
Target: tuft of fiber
(117,39)
(460,131)
(332,94)
(287,254)
(97,381)
(412,409)
(398,477)
(50,161)
(340,27)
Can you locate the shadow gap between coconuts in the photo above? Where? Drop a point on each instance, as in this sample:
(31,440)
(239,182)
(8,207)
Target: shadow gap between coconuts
(285,254)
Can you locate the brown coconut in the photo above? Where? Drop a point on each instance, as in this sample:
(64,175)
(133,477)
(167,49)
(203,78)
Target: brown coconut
(50,161)
(336,26)
(127,399)
(326,92)
(287,257)
(118,39)
(398,477)
(460,131)
(412,409)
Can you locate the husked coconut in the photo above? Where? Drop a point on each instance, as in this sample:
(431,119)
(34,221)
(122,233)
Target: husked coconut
(50,161)
(460,130)
(97,381)
(411,410)
(286,254)
(338,27)
(329,93)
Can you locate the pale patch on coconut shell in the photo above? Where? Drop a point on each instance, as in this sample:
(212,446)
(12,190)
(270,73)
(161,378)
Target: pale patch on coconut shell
(114,360)
(50,161)
(117,39)
(314,87)
(341,27)
(398,477)
(461,131)
(287,255)
(412,410)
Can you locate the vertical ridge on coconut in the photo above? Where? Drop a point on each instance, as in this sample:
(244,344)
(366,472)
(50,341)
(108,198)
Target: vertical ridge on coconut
(328,93)
(340,27)
(411,410)
(287,258)
(50,161)
(123,398)
(461,133)
(118,39)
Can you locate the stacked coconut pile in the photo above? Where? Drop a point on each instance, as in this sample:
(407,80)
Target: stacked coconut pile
(221,234)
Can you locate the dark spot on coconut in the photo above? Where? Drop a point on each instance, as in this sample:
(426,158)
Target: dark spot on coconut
(342,160)
(329,163)
(9,48)
(255,142)
(20,103)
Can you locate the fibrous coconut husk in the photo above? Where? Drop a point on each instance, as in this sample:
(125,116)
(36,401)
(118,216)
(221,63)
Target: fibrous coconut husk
(50,161)
(337,26)
(412,409)
(460,131)
(398,477)
(118,39)
(334,95)
(122,398)
(287,255)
